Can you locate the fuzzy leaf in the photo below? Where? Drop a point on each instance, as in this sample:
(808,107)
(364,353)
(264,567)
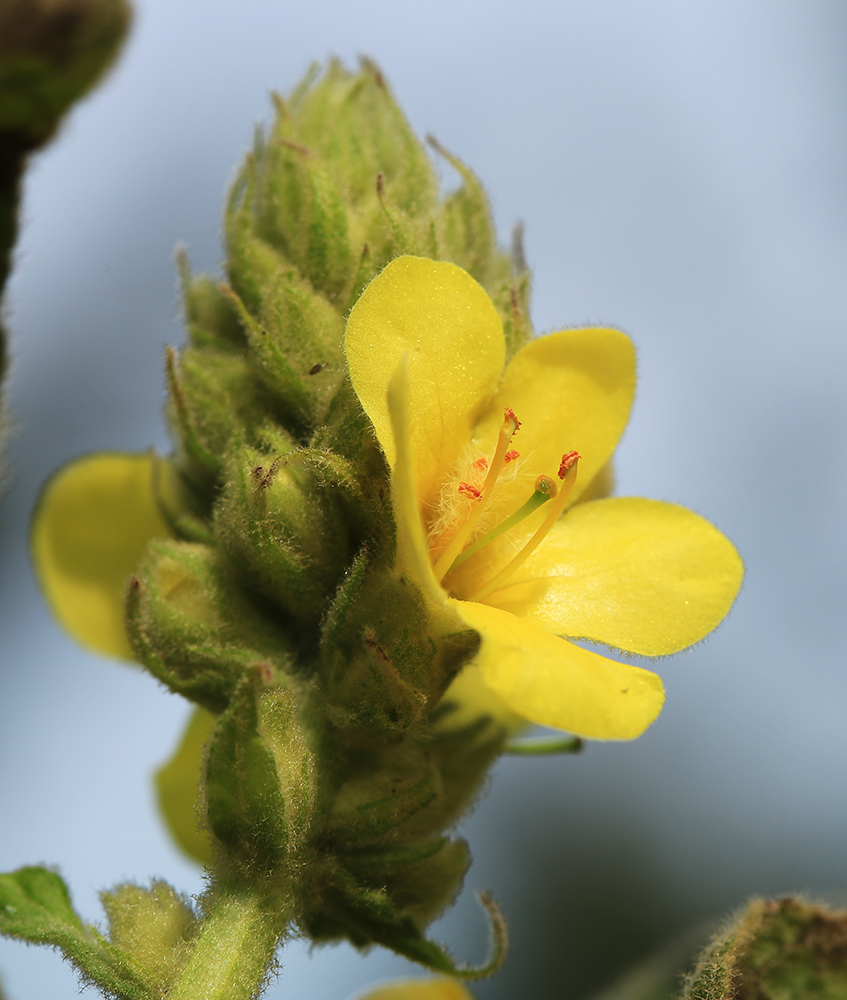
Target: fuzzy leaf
(35,906)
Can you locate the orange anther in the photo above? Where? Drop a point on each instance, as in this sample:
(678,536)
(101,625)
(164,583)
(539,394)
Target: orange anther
(567,461)
(470,491)
(509,414)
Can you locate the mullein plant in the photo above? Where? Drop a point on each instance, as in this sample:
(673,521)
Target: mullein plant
(383,525)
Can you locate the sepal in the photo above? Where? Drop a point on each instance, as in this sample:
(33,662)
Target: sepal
(383,661)
(245,808)
(210,317)
(368,916)
(299,210)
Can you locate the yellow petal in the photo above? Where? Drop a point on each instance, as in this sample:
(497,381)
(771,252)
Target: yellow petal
(177,785)
(572,391)
(640,575)
(555,683)
(89,532)
(435,313)
(419,989)
(412,556)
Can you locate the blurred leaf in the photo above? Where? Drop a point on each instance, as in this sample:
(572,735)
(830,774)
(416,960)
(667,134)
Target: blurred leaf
(35,906)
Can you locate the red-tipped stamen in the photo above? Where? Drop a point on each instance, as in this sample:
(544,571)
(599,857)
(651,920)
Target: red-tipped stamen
(460,539)
(470,491)
(567,473)
(510,456)
(568,460)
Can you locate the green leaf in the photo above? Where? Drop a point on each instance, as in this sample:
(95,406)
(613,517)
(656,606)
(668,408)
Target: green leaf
(35,906)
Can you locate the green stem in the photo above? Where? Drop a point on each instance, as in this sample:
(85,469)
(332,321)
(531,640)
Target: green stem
(234,950)
(536,748)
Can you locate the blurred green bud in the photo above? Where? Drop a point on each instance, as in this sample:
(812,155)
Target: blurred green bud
(775,950)
(260,786)
(51,53)
(154,927)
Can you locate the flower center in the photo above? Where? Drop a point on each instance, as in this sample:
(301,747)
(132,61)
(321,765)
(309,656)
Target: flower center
(456,541)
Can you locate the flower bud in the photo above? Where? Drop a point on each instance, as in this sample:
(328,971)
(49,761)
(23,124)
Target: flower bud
(260,787)
(288,519)
(194,628)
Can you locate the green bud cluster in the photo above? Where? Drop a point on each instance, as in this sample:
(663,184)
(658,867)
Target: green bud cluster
(774,950)
(334,769)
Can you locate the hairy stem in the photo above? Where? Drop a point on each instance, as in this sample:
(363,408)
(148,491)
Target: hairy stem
(234,951)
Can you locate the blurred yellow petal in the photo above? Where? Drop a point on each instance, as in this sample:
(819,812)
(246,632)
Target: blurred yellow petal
(419,989)
(177,785)
(89,532)
(437,315)
(554,683)
(572,391)
(640,575)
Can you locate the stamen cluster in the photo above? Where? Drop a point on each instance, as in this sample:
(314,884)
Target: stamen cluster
(452,546)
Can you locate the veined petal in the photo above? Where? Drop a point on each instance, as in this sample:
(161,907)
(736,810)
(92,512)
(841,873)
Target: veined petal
(441,988)
(89,532)
(554,683)
(435,313)
(640,575)
(572,391)
(178,784)
(412,556)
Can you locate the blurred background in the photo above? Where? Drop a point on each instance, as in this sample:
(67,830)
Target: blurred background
(680,169)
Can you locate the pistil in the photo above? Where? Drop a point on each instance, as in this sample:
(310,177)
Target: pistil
(545,489)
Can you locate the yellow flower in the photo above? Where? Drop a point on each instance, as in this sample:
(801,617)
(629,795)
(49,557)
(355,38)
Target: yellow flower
(89,532)
(467,441)
(439,988)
